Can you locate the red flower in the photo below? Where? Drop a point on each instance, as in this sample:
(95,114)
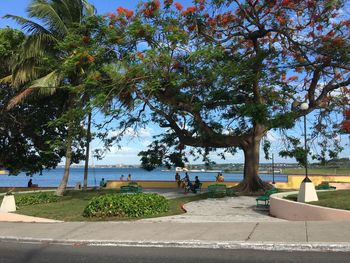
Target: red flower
(140,55)
(129,13)
(191,9)
(347,113)
(345,126)
(121,10)
(168,3)
(281,19)
(285,3)
(178,6)
(338,41)
(86,39)
(292,78)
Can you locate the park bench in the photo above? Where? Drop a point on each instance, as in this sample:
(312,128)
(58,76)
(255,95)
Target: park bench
(230,191)
(216,190)
(266,197)
(130,189)
(325,186)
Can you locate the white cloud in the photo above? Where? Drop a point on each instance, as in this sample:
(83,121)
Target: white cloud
(131,133)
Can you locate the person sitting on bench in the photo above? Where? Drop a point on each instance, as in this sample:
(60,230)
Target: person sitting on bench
(103,183)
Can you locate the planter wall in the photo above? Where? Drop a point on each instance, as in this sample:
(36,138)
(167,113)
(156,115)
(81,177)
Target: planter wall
(294,211)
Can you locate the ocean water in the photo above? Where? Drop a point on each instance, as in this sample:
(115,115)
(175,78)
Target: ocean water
(52,178)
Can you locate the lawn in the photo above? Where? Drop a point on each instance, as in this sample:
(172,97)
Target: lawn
(335,199)
(71,206)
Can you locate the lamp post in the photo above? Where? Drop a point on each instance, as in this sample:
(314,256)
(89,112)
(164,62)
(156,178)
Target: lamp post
(307,192)
(304,107)
(273,170)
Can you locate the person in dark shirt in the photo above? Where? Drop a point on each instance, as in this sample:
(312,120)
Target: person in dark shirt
(103,183)
(30,183)
(178,179)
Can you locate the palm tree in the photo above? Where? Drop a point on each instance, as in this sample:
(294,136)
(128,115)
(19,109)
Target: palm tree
(34,69)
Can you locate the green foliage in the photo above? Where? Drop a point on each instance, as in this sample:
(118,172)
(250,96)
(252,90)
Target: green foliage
(126,205)
(35,198)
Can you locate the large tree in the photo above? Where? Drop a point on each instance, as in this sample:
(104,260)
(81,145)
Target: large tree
(37,69)
(25,129)
(222,73)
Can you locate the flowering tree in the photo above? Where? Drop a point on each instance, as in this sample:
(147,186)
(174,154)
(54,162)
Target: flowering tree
(222,73)
(345,125)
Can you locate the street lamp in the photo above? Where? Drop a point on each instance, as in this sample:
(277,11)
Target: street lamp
(273,170)
(307,191)
(304,107)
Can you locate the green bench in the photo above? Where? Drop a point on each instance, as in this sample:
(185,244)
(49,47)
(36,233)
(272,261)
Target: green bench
(216,190)
(130,189)
(266,197)
(325,186)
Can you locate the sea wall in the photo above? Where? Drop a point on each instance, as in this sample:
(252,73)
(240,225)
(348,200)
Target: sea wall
(293,182)
(160,184)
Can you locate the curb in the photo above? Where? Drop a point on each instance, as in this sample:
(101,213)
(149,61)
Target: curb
(234,245)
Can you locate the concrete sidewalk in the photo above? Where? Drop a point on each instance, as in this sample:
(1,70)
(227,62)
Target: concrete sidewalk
(301,236)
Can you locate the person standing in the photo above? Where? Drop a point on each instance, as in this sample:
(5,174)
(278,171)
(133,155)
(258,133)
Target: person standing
(129,177)
(121,177)
(178,179)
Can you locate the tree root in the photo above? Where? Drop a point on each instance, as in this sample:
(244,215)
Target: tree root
(253,187)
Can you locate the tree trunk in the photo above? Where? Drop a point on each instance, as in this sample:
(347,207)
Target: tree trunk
(252,182)
(62,187)
(88,139)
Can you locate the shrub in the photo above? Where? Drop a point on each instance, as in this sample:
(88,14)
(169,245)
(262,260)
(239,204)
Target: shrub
(35,198)
(126,205)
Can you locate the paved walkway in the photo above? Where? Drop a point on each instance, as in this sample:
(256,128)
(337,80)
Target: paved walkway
(228,209)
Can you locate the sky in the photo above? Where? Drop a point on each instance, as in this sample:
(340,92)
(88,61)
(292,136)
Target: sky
(133,144)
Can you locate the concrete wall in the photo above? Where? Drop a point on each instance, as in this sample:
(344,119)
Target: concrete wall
(294,182)
(340,186)
(290,210)
(160,184)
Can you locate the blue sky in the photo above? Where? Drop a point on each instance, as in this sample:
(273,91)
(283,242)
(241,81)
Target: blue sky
(132,144)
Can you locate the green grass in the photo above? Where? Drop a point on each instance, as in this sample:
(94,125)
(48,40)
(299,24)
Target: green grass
(331,171)
(71,206)
(334,199)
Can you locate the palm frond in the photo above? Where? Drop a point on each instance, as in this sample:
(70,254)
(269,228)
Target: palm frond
(26,70)
(45,86)
(6,80)
(37,45)
(45,12)
(89,8)
(48,84)
(28,25)
(20,97)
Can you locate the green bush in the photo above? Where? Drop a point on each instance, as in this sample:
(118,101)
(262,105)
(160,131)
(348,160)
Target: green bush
(35,198)
(126,205)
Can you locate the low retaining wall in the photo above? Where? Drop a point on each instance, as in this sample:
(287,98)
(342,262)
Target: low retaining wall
(340,186)
(294,181)
(290,210)
(160,184)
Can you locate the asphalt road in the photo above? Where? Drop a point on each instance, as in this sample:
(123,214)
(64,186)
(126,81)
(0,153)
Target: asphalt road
(11,252)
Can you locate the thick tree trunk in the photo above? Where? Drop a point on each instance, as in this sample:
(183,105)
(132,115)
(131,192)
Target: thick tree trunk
(252,182)
(88,139)
(62,187)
